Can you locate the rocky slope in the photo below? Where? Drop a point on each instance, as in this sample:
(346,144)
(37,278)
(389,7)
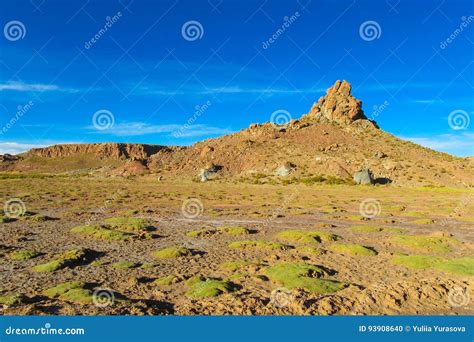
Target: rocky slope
(334,139)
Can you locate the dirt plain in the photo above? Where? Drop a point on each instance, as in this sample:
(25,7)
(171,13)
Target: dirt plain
(405,250)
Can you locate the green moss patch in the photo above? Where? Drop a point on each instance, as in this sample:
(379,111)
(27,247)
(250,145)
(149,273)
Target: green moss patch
(234,266)
(202,232)
(6,219)
(64,260)
(37,218)
(130,224)
(232,230)
(422,221)
(304,276)
(374,229)
(425,244)
(79,296)
(258,245)
(208,287)
(11,300)
(23,255)
(97,263)
(414,213)
(460,266)
(171,252)
(167,280)
(304,237)
(308,250)
(101,233)
(63,288)
(235,230)
(49,266)
(416,261)
(73,291)
(352,249)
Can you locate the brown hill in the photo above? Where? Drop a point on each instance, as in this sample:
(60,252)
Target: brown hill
(333,140)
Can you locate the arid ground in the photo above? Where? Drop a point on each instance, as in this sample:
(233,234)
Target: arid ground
(143,245)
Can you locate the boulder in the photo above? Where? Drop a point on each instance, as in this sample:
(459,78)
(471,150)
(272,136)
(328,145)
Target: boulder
(364,176)
(284,170)
(380,155)
(204,175)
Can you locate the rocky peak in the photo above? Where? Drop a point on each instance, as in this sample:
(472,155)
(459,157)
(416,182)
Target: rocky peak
(338,106)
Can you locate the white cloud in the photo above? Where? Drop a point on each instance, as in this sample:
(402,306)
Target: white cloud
(175,130)
(240,90)
(32,87)
(16,148)
(427,101)
(228,90)
(457,144)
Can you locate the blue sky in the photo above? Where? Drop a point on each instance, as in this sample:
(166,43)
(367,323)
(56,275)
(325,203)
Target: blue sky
(151,80)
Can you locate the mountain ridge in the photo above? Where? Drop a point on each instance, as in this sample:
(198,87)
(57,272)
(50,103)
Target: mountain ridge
(334,138)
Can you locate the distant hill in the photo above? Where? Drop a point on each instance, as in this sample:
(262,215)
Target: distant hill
(333,140)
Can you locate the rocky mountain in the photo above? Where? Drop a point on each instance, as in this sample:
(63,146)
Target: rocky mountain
(329,143)
(338,106)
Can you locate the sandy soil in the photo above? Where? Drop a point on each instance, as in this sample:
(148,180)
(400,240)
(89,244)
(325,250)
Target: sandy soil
(374,284)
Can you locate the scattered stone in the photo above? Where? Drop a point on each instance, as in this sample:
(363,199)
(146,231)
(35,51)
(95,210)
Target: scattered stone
(206,173)
(318,159)
(364,176)
(285,169)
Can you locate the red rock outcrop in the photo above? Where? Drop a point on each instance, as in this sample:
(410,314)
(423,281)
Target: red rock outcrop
(338,105)
(101,151)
